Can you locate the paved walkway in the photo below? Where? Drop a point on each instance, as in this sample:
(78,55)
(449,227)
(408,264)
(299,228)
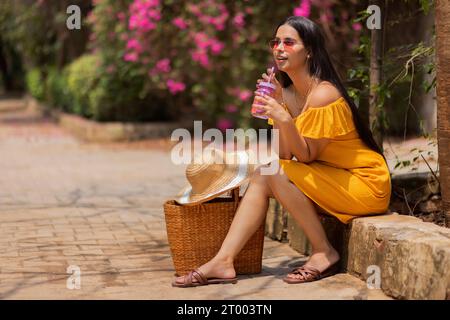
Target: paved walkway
(99,207)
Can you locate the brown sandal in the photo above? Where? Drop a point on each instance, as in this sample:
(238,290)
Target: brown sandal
(309,274)
(201,280)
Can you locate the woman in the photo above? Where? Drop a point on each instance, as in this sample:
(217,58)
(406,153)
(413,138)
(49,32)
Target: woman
(338,168)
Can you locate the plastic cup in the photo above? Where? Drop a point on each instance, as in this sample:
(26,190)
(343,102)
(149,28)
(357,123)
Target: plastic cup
(263,88)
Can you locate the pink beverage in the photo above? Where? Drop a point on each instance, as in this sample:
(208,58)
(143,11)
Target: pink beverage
(265,88)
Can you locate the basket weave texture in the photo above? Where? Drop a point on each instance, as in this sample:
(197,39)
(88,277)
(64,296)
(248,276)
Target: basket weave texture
(195,234)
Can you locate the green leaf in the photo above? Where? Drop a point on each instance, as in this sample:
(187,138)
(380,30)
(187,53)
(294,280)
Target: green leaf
(425,4)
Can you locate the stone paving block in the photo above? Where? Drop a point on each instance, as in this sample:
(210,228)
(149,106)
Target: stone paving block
(108,242)
(82,252)
(10,254)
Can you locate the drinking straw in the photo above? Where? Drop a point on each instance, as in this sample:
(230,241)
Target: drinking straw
(271,74)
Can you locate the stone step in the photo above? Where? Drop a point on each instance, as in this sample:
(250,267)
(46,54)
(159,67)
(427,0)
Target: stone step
(411,256)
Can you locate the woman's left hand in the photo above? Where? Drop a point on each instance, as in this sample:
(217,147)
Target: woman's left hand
(271,107)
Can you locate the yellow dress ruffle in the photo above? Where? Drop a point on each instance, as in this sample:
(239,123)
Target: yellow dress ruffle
(330,121)
(348,179)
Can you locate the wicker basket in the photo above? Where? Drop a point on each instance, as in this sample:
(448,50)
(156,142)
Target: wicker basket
(195,234)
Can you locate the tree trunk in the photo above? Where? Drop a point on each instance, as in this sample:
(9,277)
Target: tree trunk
(4,70)
(376,47)
(443,100)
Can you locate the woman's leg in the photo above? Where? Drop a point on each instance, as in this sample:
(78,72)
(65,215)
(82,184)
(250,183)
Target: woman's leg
(304,211)
(249,216)
(252,212)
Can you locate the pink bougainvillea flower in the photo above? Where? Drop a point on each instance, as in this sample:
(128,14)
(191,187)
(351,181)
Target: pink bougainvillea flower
(201,56)
(224,124)
(151,3)
(357,26)
(180,23)
(216,47)
(201,40)
(304,10)
(200,11)
(194,9)
(131,56)
(175,87)
(154,14)
(219,26)
(163,65)
(144,14)
(222,18)
(134,44)
(231,108)
(238,20)
(244,95)
(121,16)
(206,19)
(142,25)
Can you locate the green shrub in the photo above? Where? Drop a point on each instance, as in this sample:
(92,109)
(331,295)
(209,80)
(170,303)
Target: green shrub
(118,97)
(94,92)
(35,83)
(82,77)
(58,94)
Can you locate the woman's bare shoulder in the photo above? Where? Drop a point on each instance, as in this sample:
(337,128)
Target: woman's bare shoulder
(323,94)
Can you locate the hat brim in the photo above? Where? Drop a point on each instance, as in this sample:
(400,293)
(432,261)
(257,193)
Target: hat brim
(187,197)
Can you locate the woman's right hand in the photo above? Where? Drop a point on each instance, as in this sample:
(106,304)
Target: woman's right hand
(278,94)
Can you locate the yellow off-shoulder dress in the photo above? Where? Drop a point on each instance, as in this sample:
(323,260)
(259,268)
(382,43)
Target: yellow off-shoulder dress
(348,179)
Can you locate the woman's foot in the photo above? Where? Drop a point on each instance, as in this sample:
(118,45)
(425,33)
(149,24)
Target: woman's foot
(320,261)
(215,268)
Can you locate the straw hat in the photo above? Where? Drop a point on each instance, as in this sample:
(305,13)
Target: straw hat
(215,174)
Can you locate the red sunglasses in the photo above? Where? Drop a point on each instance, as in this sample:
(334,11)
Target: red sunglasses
(274,43)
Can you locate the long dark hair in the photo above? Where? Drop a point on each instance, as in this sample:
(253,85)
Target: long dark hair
(320,66)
